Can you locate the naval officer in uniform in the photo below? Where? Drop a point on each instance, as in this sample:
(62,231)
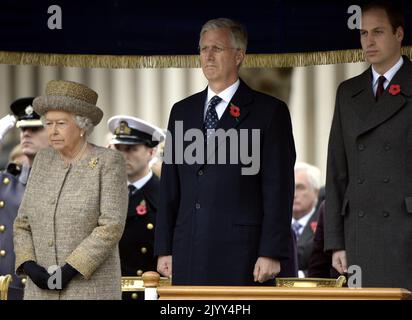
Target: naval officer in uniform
(13,181)
(137,140)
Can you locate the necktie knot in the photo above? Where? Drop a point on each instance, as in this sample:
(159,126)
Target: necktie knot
(214,101)
(380,89)
(132,189)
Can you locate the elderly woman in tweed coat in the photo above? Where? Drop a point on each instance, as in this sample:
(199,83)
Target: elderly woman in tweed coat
(73,212)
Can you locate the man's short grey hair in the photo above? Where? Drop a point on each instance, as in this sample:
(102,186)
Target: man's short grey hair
(312,172)
(238,32)
(85,124)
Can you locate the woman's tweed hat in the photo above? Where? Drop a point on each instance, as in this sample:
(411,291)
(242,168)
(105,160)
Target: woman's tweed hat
(71,97)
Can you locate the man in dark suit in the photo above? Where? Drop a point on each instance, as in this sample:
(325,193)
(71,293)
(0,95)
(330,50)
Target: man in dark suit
(368,215)
(219,224)
(13,182)
(304,215)
(136,139)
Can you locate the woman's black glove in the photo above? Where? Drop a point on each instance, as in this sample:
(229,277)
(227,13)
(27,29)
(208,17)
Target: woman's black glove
(37,274)
(67,274)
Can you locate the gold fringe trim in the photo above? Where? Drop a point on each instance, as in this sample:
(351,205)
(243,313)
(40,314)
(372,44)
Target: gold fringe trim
(182,61)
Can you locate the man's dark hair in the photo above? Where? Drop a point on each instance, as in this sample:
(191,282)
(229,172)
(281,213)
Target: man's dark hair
(393,10)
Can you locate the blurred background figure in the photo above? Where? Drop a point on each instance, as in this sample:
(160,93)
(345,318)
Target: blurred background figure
(304,215)
(13,181)
(18,157)
(136,140)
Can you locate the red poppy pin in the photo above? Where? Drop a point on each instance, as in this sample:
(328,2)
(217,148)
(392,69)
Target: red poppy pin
(234,111)
(394,89)
(313,226)
(141,209)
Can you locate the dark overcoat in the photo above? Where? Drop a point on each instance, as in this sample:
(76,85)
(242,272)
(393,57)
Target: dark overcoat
(369,179)
(213,220)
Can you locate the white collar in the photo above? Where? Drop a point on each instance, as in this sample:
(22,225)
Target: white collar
(226,94)
(388,74)
(142,181)
(304,220)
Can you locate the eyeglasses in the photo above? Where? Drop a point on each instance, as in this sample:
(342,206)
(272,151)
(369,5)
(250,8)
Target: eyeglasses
(214,49)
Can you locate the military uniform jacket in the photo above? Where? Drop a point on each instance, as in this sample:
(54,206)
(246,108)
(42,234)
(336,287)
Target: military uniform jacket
(136,245)
(369,179)
(74,214)
(12,185)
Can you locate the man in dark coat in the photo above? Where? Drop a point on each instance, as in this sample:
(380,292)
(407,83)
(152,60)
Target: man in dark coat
(13,181)
(136,140)
(227,222)
(368,215)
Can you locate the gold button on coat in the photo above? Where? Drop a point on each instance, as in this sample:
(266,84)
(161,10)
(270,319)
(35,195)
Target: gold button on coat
(23,281)
(2,228)
(134,296)
(143,250)
(149,226)
(139,272)
(2,204)
(2,253)
(6,180)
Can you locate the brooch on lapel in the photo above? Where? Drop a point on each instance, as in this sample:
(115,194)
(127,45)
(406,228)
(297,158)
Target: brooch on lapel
(93,162)
(141,209)
(234,111)
(394,89)
(313,226)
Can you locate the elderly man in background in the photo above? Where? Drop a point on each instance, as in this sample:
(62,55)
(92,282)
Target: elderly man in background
(304,215)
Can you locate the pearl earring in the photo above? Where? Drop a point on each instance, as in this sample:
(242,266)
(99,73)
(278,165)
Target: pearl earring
(81,134)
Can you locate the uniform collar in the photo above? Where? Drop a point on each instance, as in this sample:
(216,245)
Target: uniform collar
(142,181)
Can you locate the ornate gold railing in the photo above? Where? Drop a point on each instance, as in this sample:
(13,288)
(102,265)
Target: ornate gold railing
(4,286)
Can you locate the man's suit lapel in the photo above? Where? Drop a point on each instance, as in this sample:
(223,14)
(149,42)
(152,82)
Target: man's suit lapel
(363,98)
(196,113)
(388,104)
(194,120)
(242,98)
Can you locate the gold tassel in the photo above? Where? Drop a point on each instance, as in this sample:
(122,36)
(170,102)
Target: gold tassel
(183,61)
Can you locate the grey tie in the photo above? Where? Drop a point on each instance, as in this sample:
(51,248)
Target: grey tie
(296,227)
